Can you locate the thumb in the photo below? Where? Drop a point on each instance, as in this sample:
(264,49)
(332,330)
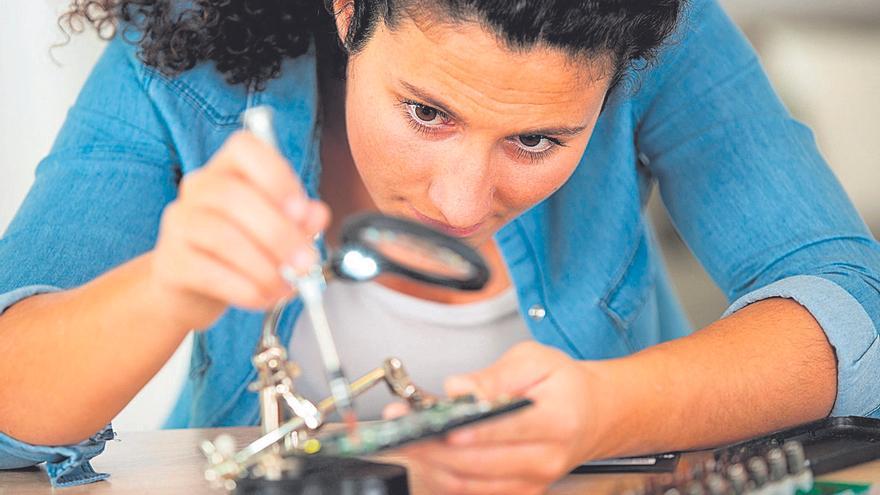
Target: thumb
(458,385)
(518,370)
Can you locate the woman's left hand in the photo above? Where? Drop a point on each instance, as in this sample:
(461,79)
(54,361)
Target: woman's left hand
(525,451)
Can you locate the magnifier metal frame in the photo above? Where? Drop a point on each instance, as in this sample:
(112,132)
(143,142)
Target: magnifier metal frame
(355,238)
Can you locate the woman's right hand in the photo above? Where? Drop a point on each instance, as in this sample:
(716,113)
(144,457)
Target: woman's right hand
(236,221)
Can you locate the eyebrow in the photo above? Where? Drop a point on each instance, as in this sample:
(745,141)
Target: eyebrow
(555,131)
(434,102)
(430,100)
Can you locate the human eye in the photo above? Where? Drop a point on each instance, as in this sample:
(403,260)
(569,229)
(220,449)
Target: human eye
(534,147)
(425,118)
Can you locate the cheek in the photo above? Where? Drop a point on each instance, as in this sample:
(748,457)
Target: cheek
(386,152)
(526,185)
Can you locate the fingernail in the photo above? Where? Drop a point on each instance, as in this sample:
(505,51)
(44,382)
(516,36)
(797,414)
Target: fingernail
(394,410)
(302,260)
(459,385)
(295,207)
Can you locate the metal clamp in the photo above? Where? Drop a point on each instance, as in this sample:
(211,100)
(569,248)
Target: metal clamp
(276,385)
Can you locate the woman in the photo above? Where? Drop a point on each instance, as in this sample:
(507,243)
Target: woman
(474,117)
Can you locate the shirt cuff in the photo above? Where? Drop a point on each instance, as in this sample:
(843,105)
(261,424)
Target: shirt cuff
(66,465)
(848,328)
(7,299)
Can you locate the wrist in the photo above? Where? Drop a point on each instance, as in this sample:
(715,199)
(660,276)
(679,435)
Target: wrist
(180,311)
(597,414)
(613,409)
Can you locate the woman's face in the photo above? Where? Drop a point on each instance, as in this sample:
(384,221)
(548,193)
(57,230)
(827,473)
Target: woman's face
(448,126)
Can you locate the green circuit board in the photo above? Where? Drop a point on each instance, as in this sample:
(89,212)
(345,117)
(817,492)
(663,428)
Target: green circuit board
(828,488)
(438,419)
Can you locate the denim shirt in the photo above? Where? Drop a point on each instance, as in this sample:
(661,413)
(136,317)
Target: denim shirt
(744,184)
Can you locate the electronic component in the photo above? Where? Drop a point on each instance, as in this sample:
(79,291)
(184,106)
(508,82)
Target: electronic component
(437,419)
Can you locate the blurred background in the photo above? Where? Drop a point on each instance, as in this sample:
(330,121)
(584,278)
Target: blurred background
(823,57)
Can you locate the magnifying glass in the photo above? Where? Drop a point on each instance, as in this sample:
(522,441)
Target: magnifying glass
(373,244)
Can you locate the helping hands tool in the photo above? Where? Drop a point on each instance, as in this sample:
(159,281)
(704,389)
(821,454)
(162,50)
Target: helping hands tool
(310,285)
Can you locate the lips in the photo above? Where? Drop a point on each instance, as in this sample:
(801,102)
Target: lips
(446,228)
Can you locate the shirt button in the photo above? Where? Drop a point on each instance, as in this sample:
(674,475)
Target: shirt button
(537,312)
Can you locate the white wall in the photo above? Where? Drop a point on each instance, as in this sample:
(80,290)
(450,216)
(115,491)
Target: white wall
(35,93)
(830,77)
(36,89)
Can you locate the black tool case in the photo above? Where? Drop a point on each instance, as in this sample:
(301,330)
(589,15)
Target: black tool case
(830,444)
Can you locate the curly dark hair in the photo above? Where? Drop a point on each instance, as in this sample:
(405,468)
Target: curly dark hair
(249,39)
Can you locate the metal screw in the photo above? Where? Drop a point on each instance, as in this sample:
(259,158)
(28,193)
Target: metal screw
(758,470)
(694,488)
(794,454)
(738,478)
(776,461)
(716,484)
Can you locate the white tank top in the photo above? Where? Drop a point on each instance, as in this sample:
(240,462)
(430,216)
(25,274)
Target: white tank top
(371,322)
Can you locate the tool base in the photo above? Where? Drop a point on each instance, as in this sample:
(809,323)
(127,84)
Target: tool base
(322,475)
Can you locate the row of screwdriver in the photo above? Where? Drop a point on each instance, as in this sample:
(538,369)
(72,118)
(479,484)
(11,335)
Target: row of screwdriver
(780,470)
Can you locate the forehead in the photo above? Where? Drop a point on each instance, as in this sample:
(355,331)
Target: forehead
(469,67)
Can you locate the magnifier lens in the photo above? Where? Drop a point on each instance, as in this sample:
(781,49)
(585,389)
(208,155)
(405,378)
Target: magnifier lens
(375,243)
(417,254)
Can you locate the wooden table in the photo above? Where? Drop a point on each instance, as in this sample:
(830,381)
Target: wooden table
(168,461)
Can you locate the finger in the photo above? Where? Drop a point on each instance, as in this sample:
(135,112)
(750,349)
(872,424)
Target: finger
(224,241)
(520,368)
(277,234)
(262,165)
(526,425)
(317,217)
(441,481)
(395,410)
(519,372)
(538,462)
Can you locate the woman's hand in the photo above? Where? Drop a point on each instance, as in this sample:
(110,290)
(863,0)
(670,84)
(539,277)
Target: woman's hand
(523,452)
(236,221)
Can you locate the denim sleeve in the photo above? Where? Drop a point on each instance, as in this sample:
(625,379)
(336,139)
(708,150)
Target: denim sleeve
(67,465)
(95,203)
(847,326)
(749,192)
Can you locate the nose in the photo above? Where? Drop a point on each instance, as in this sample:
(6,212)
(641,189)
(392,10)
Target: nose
(462,190)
